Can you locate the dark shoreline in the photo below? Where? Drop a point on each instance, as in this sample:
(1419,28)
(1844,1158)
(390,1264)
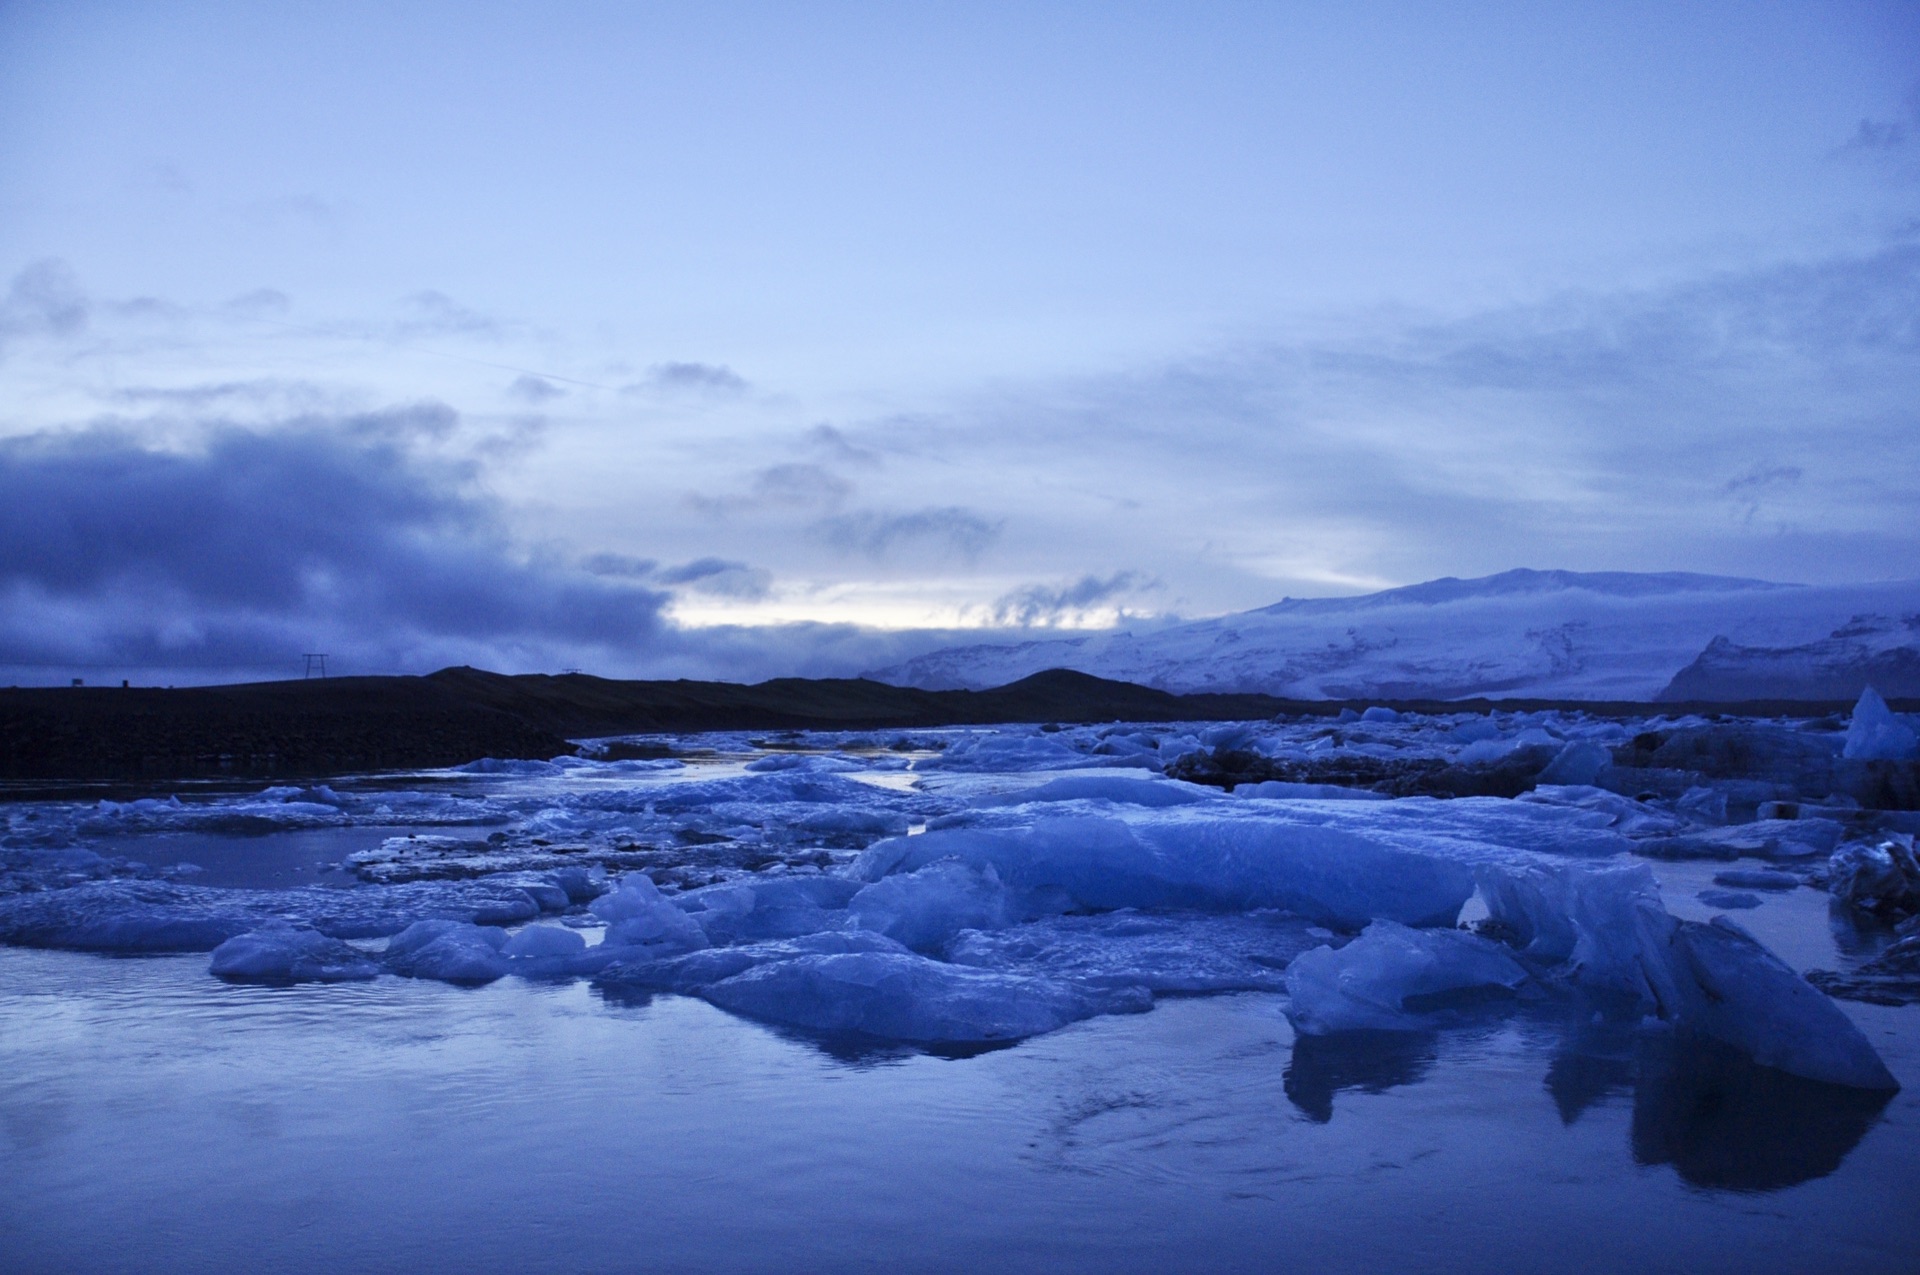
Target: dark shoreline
(322,727)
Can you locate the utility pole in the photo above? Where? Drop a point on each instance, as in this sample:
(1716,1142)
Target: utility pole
(316,663)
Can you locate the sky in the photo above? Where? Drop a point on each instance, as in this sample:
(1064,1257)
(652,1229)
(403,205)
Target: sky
(745,340)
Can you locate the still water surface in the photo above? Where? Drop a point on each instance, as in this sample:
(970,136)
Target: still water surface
(153,1119)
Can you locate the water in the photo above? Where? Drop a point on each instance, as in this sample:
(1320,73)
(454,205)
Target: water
(155,1120)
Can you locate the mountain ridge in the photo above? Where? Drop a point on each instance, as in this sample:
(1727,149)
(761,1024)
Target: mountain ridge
(1555,634)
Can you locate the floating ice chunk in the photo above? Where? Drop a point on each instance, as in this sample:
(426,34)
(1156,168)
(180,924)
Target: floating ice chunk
(1137,744)
(1379,713)
(1882,878)
(1120,789)
(282,953)
(768,907)
(1597,922)
(1580,762)
(543,941)
(812,763)
(1891,978)
(509,766)
(1722,982)
(691,972)
(1491,750)
(638,915)
(1877,734)
(1764,838)
(1002,751)
(551,951)
(509,906)
(851,823)
(1391,976)
(1182,953)
(450,951)
(1169,861)
(123,916)
(547,894)
(925,908)
(1704,803)
(1281,790)
(1728,899)
(901,996)
(1628,817)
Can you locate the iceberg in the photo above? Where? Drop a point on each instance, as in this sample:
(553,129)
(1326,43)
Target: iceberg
(905,996)
(1720,981)
(450,951)
(1876,734)
(1393,978)
(283,953)
(638,915)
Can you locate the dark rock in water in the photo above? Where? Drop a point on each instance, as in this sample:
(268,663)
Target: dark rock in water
(1516,773)
(1745,750)
(1772,766)
(1724,1122)
(632,750)
(1892,978)
(1728,899)
(1880,785)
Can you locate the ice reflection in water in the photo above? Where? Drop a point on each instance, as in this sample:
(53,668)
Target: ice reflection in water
(1720,1121)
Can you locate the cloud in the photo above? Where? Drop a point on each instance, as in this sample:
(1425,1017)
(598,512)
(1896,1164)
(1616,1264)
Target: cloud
(261,390)
(45,299)
(261,302)
(1762,477)
(719,577)
(949,530)
(1749,492)
(1880,136)
(432,313)
(709,377)
(1047,605)
(534,389)
(789,486)
(801,486)
(623,565)
(838,447)
(258,544)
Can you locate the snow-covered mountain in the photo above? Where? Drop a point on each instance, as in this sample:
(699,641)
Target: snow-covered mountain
(1558,634)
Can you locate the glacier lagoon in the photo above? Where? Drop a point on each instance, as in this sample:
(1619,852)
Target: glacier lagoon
(1125,1086)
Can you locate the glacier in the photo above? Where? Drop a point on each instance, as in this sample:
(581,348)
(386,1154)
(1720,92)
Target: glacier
(1543,634)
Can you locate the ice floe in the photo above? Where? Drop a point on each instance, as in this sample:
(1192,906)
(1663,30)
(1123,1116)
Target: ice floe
(1018,879)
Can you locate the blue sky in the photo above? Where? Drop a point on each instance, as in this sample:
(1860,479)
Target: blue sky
(753,339)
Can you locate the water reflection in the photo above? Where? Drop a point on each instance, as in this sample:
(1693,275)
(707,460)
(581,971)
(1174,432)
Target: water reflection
(1720,1120)
(1369,1061)
(1591,1063)
(1723,1122)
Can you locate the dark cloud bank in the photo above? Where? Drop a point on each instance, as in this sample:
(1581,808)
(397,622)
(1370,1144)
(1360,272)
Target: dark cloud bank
(235,558)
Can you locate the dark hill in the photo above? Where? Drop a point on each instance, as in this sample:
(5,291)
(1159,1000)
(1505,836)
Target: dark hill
(343,725)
